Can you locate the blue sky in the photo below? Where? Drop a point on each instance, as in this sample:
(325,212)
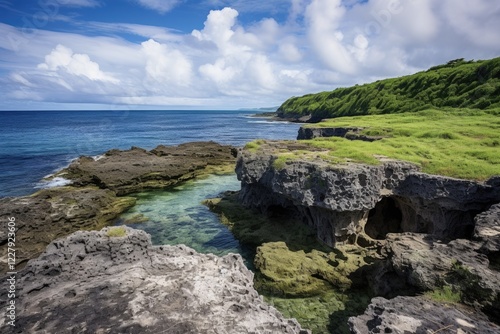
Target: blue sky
(224,54)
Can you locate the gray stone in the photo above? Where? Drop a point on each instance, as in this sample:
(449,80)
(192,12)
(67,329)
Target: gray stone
(419,315)
(90,282)
(336,199)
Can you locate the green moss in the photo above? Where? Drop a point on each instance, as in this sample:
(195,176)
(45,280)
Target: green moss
(116,232)
(326,285)
(280,162)
(254,146)
(300,274)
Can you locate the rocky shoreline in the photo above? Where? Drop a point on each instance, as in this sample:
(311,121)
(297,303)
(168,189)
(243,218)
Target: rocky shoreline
(430,233)
(403,234)
(98,189)
(96,282)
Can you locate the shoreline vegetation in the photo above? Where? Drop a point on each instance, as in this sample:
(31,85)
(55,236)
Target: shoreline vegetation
(457,84)
(459,143)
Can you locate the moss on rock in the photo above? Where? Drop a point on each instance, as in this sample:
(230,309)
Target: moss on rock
(300,274)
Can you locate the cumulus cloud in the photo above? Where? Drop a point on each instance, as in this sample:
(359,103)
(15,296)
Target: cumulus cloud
(164,65)
(161,6)
(320,45)
(218,27)
(63,58)
(324,17)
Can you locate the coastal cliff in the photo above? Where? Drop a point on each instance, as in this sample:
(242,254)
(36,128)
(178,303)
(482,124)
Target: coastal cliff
(353,200)
(431,233)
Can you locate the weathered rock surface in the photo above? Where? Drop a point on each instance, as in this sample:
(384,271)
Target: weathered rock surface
(426,264)
(137,169)
(53,213)
(91,201)
(419,315)
(342,200)
(351,133)
(487,232)
(93,283)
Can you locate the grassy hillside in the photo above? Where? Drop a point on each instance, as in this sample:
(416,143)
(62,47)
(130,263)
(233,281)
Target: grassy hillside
(457,84)
(461,143)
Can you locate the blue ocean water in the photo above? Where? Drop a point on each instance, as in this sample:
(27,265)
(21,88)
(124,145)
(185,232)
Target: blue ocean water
(34,144)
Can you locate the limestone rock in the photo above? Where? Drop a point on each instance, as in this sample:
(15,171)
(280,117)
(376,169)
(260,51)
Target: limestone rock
(487,231)
(351,133)
(137,169)
(90,282)
(426,264)
(419,315)
(346,199)
(53,213)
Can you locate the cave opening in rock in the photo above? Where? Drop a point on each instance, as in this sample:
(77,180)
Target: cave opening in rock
(385,218)
(277,211)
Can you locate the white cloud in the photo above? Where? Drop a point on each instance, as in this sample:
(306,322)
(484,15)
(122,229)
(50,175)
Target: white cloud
(323,44)
(324,18)
(79,3)
(218,27)
(166,66)
(478,21)
(63,58)
(162,6)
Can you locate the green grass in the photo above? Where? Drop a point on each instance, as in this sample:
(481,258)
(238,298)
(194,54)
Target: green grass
(116,232)
(461,143)
(457,84)
(446,294)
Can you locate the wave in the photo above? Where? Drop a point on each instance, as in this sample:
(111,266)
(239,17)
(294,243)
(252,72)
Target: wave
(52,183)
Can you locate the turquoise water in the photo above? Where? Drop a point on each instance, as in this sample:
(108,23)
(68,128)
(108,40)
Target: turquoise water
(176,216)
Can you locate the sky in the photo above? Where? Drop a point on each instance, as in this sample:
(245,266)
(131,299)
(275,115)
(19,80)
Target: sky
(224,54)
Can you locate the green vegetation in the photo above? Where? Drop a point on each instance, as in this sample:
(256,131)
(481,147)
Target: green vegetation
(254,145)
(458,143)
(445,294)
(116,232)
(457,84)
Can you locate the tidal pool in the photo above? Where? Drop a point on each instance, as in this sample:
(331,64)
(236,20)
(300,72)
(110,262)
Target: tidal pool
(177,216)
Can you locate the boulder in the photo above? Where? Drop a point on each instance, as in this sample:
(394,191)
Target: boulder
(419,315)
(113,281)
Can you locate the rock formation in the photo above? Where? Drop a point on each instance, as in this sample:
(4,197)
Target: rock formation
(137,169)
(57,212)
(351,133)
(340,201)
(92,200)
(432,232)
(418,315)
(92,282)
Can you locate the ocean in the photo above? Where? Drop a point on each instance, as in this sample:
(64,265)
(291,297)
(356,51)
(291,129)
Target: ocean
(34,144)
